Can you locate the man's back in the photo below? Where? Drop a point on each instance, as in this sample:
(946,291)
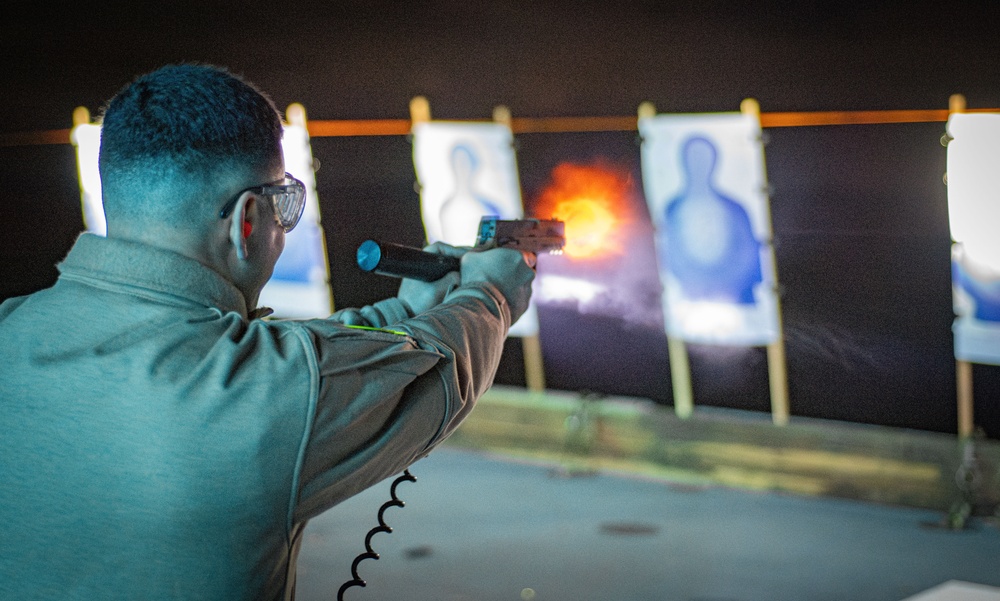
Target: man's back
(142,446)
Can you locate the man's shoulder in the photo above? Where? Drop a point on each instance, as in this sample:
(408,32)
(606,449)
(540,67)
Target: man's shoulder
(10,305)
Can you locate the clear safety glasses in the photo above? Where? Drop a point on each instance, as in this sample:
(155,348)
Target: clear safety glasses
(288,196)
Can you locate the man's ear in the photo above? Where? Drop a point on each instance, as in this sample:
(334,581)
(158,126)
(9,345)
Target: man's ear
(239,220)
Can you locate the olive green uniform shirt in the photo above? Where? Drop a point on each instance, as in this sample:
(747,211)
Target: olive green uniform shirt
(159,444)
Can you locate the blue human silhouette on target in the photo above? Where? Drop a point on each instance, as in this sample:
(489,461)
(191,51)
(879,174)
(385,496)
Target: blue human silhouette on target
(709,245)
(461,212)
(984,291)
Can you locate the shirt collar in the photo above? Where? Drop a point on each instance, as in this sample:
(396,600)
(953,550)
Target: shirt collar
(161,271)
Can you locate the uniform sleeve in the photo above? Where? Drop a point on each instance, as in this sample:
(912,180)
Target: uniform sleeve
(387,398)
(378,315)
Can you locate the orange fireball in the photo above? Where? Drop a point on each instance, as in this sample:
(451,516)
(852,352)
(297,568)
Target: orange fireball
(590,200)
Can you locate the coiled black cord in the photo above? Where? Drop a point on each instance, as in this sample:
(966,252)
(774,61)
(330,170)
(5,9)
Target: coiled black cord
(382,527)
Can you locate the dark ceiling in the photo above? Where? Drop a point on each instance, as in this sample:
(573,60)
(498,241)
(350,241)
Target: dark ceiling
(354,59)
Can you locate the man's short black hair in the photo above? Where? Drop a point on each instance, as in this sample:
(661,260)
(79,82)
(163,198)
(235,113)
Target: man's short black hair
(180,124)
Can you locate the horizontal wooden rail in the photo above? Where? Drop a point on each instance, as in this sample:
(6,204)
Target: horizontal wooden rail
(35,138)
(850,118)
(359,127)
(532,125)
(529,125)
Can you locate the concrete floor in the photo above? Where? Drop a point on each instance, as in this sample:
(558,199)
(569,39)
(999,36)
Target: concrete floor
(484,528)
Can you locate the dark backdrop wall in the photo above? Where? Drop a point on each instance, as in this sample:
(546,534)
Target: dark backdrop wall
(860,213)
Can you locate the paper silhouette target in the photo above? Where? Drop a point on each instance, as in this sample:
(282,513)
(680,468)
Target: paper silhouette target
(705,185)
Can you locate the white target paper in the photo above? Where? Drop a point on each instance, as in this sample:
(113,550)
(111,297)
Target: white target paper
(974,213)
(466,171)
(300,285)
(705,185)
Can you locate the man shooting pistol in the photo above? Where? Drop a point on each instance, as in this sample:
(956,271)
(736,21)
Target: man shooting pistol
(530,236)
(163,441)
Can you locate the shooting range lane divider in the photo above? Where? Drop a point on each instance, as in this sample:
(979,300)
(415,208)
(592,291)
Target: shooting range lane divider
(717,446)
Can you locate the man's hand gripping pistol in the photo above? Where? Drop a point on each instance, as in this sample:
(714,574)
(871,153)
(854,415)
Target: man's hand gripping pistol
(528,235)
